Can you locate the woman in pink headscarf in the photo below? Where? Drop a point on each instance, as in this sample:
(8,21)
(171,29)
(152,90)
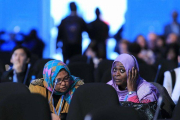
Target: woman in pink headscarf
(128,83)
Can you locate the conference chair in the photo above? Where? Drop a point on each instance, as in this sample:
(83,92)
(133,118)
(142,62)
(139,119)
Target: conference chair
(89,97)
(113,113)
(101,69)
(10,88)
(25,107)
(176,112)
(167,105)
(83,70)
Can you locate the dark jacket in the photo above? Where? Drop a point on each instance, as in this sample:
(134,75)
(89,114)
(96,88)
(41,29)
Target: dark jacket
(23,77)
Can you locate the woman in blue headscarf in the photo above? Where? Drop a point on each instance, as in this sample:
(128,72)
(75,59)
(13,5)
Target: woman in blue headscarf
(58,85)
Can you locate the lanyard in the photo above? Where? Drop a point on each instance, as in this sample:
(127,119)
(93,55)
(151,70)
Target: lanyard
(59,105)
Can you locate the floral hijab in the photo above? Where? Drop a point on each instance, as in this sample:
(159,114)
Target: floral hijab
(51,69)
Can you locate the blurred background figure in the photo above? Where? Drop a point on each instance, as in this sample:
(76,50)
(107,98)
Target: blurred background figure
(149,72)
(160,47)
(20,70)
(171,52)
(98,31)
(70,33)
(10,43)
(123,46)
(92,52)
(118,37)
(174,26)
(172,81)
(146,53)
(172,38)
(34,43)
(151,38)
(1,39)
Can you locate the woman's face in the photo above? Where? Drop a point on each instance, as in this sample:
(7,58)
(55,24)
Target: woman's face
(141,41)
(63,81)
(119,75)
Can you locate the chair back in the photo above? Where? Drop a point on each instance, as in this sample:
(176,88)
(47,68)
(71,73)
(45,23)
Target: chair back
(81,59)
(113,113)
(9,88)
(25,107)
(83,70)
(106,76)
(101,69)
(39,66)
(167,105)
(89,97)
(176,114)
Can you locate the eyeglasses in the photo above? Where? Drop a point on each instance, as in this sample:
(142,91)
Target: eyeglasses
(65,79)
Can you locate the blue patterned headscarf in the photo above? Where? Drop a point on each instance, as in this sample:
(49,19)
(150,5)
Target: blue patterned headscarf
(51,70)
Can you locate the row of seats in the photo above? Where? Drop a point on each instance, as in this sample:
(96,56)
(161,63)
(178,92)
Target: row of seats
(91,101)
(83,67)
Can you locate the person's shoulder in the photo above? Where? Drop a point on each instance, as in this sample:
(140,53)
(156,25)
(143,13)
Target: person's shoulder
(38,82)
(7,75)
(177,69)
(167,73)
(110,82)
(37,86)
(80,82)
(146,86)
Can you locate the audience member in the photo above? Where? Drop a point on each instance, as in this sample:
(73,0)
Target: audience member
(172,82)
(173,27)
(98,31)
(118,37)
(127,81)
(92,52)
(172,38)
(70,33)
(171,52)
(152,37)
(34,43)
(58,86)
(20,71)
(146,71)
(123,46)
(9,44)
(146,54)
(160,47)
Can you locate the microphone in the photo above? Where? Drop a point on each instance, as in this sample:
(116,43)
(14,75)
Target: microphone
(159,68)
(53,90)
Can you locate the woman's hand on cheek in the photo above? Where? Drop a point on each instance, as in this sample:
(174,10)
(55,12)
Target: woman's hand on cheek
(132,78)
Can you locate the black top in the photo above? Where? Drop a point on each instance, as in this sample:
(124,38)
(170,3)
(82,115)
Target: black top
(8,77)
(56,99)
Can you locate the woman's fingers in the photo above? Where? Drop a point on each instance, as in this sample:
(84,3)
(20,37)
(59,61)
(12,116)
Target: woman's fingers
(132,73)
(135,73)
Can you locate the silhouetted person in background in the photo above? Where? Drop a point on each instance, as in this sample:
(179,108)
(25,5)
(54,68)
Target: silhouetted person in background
(9,44)
(1,39)
(173,27)
(118,37)
(34,43)
(70,33)
(98,32)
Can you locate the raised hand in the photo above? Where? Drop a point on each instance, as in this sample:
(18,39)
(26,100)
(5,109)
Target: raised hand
(132,79)
(17,67)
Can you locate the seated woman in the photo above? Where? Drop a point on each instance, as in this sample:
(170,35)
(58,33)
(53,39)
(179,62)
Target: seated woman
(57,85)
(128,83)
